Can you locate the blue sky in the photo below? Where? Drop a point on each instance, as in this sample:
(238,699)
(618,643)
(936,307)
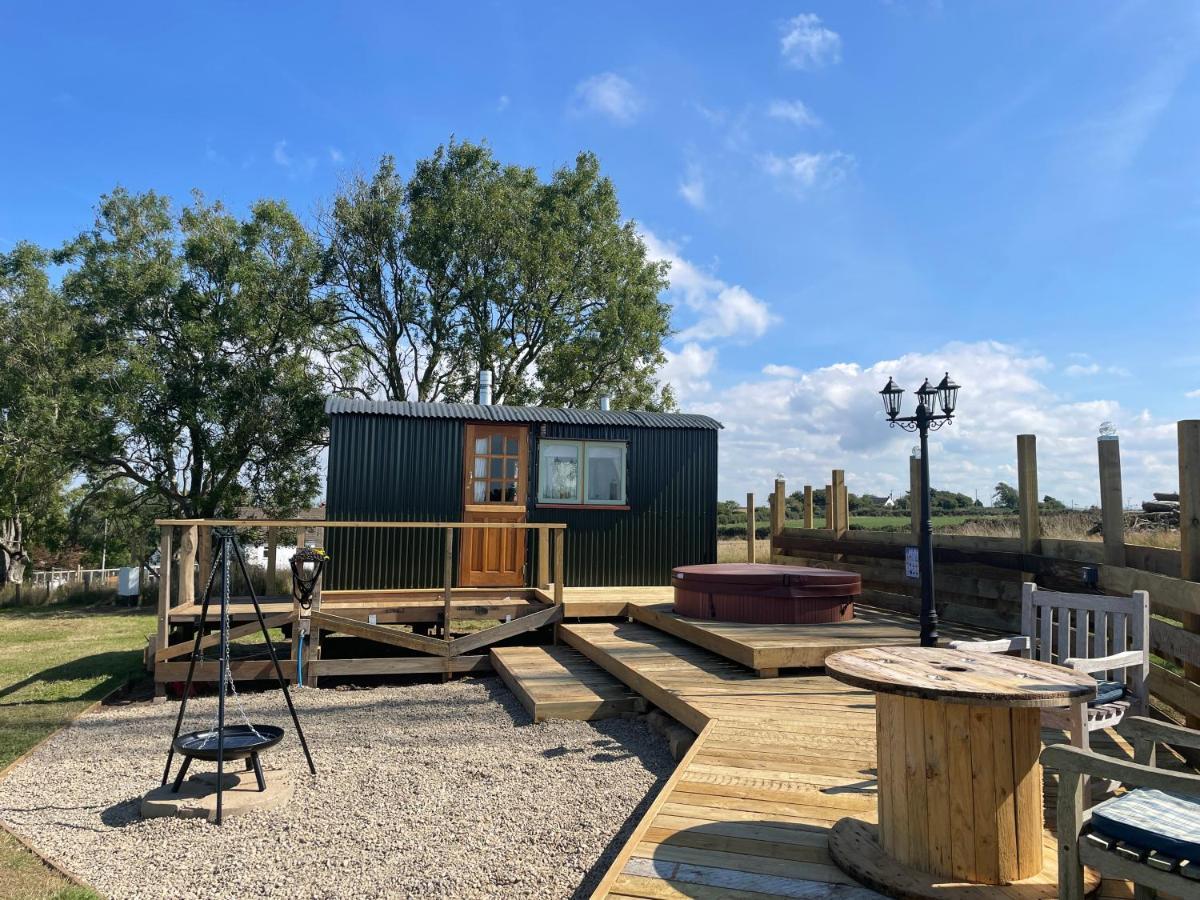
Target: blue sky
(847,191)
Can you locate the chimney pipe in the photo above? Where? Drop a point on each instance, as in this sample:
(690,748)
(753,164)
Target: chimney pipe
(605,403)
(485,387)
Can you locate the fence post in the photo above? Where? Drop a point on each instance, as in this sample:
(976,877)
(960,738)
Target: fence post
(187,566)
(560,576)
(808,506)
(914,495)
(272,558)
(830,510)
(164,598)
(842,496)
(750,523)
(447,582)
(1112,516)
(1189,529)
(204,557)
(1027,491)
(543,558)
(312,649)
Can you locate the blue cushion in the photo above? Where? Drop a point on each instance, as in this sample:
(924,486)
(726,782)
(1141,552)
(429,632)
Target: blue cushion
(1152,820)
(1108,692)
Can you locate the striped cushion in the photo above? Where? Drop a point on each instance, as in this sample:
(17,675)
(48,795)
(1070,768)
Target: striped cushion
(1153,820)
(1107,692)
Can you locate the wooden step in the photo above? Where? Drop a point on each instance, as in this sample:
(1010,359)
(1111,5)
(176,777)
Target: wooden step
(558,683)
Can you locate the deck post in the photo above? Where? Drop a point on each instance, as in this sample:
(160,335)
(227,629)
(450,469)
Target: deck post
(830,513)
(543,558)
(808,506)
(750,523)
(447,582)
(778,507)
(1112,516)
(164,597)
(840,501)
(560,535)
(187,566)
(312,647)
(204,557)
(1027,491)
(272,557)
(1189,530)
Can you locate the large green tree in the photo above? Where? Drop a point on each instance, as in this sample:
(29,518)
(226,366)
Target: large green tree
(472,264)
(209,337)
(39,407)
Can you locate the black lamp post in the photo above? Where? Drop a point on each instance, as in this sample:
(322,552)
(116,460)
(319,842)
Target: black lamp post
(926,419)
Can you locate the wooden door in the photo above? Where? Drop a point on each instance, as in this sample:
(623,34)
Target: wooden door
(496,469)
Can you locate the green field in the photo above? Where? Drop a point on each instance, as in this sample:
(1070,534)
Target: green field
(879,523)
(54,663)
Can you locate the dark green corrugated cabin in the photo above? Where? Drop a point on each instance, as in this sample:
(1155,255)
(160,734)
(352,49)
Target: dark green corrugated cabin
(637,490)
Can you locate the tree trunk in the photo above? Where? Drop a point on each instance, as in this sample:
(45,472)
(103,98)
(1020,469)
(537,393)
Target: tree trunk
(12,554)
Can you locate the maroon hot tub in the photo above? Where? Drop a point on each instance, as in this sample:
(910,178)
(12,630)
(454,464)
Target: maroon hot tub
(764,594)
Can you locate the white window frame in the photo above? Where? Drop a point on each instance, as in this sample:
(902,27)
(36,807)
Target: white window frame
(582,499)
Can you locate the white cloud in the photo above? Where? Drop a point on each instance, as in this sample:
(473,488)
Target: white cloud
(296,167)
(692,186)
(806,421)
(502,103)
(807,44)
(1081,369)
(724,310)
(793,111)
(804,171)
(608,95)
(335,156)
(687,369)
(1193,394)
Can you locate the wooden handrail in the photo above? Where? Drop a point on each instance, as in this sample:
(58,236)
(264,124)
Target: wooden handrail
(324,523)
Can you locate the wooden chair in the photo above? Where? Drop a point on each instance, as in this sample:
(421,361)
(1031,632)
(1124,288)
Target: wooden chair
(1133,836)
(1107,637)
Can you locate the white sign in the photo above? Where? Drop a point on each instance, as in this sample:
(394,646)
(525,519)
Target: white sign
(912,563)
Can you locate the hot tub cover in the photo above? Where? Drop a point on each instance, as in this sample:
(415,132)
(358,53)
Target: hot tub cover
(760,578)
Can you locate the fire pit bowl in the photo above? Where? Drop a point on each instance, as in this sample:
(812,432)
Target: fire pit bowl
(241,742)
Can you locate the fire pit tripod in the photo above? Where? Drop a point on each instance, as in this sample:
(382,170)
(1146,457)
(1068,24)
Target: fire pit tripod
(226,742)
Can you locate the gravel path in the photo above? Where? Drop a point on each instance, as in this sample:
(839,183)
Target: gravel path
(425,790)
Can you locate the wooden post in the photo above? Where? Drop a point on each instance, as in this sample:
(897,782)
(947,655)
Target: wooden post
(272,557)
(1112,516)
(750,523)
(187,566)
(830,506)
(841,503)
(447,582)
(543,558)
(204,557)
(164,597)
(914,496)
(1027,489)
(808,506)
(312,647)
(1189,529)
(560,539)
(778,507)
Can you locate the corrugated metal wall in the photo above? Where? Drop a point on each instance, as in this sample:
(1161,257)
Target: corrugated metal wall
(392,468)
(389,469)
(672,519)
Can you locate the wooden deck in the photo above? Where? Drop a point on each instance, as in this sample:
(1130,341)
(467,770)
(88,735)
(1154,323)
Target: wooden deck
(769,648)
(776,763)
(560,683)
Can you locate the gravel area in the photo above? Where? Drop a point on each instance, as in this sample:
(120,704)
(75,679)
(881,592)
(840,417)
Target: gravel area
(423,790)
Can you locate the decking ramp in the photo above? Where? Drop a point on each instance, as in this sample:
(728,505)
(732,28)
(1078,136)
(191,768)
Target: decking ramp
(776,763)
(560,683)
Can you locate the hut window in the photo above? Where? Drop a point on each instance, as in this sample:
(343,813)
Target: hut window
(582,472)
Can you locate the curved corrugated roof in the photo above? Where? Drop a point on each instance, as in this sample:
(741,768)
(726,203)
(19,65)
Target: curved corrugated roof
(336,406)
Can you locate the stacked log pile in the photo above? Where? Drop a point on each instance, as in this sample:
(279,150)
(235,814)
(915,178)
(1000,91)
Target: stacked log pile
(1161,512)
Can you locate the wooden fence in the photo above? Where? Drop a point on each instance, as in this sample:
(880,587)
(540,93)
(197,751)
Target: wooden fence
(978,579)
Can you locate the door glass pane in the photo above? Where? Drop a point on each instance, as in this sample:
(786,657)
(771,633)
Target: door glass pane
(510,492)
(479,493)
(606,473)
(481,445)
(495,489)
(497,443)
(480,467)
(558,472)
(512,446)
(510,468)
(497,468)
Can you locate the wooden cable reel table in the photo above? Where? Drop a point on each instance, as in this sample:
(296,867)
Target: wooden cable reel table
(960,784)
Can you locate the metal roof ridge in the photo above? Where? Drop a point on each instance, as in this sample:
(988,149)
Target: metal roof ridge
(503,413)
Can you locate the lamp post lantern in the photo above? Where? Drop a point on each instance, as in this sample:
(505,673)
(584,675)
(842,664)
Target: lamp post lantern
(926,419)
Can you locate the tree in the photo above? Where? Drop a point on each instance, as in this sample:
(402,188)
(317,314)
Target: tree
(1005,496)
(471,264)
(38,408)
(1053,504)
(207,333)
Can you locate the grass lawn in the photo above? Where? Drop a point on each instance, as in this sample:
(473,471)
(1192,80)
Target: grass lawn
(54,662)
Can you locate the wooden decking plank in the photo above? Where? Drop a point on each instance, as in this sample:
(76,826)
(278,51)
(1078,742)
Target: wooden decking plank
(558,683)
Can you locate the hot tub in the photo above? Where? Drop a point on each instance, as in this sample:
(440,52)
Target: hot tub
(764,594)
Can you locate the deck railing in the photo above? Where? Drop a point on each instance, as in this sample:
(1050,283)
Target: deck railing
(978,579)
